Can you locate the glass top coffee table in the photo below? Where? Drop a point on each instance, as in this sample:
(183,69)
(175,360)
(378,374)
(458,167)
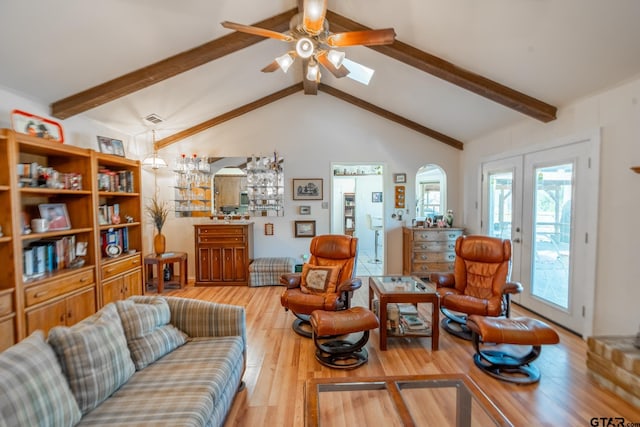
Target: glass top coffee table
(407,290)
(413,400)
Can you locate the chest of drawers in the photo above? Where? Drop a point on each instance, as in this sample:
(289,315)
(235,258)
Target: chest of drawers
(428,250)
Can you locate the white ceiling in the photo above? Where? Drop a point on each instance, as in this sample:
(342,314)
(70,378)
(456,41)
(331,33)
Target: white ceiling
(554,50)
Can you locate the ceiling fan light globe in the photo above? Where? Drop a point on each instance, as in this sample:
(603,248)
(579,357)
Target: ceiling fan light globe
(335,57)
(313,72)
(305,47)
(284,62)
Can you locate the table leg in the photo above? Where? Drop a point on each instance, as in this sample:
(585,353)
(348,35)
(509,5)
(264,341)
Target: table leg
(186,273)
(382,313)
(160,277)
(435,325)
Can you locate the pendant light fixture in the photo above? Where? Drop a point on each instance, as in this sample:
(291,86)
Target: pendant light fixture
(154,161)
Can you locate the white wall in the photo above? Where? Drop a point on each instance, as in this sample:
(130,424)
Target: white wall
(311,132)
(616,114)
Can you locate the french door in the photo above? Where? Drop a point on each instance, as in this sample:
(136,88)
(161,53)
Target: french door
(546,203)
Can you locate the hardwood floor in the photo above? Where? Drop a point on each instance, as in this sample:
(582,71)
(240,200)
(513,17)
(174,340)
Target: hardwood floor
(279,361)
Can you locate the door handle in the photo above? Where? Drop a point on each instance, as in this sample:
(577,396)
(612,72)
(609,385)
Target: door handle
(517,240)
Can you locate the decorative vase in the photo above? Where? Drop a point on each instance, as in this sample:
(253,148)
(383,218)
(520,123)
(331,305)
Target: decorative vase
(159,243)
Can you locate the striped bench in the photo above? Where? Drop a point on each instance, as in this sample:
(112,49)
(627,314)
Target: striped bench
(267,271)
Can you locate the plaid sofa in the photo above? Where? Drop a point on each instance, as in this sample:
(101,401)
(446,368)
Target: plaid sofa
(198,356)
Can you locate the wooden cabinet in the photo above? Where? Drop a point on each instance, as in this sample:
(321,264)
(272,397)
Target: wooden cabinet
(10,246)
(121,278)
(349,204)
(428,250)
(54,276)
(118,218)
(65,311)
(7,319)
(223,253)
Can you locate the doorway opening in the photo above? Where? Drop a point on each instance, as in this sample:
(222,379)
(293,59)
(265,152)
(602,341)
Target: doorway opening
(357,209)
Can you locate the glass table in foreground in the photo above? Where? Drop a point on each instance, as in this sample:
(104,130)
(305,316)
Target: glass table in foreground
(408,401)
(407,290)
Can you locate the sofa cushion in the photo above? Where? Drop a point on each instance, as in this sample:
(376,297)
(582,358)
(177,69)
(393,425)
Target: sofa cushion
(94,356)
(319,279)
(33,390)
(149,334)
(193,385)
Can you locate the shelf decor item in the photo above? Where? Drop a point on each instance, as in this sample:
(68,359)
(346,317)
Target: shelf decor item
(158,211)
(33,125)
(56,215)
(111,146)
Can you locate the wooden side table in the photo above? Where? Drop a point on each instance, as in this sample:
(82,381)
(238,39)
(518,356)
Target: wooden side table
(160,261)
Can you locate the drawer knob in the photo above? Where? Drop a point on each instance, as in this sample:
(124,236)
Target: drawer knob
(40,294)
(84,279)
(108,270)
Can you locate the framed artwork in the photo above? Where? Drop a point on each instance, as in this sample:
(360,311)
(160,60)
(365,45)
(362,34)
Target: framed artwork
(110,146)
(307,188)
(56,214)
(31,124)
(376,197)
(268,229)
(305,228)
(399,178)
(305,210)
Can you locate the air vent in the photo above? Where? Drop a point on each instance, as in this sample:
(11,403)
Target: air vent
(154,119)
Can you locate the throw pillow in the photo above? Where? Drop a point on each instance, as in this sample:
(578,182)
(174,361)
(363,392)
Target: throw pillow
(319,279)
(94,356)
(149,334)
(33,390)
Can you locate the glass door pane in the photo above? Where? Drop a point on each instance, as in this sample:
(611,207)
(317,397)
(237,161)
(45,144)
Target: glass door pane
(552,233)
(500,204)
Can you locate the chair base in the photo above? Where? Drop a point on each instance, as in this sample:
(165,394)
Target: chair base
(456,328)
(508,368)
(302,326)
(340,353)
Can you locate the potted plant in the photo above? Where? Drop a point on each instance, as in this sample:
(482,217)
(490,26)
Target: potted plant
(158,211)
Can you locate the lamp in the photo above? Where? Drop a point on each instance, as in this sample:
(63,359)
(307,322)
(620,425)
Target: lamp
(335,57)
(305,47)
(153,160)
(313,72)
(285,61)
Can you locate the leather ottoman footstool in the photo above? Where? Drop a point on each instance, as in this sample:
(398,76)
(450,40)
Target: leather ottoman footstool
(336,352)
(494,339)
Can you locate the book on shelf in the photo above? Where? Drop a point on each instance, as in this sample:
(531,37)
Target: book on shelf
(414,323)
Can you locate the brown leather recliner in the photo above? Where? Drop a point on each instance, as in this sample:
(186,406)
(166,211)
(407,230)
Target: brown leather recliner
(478,284)
(330,250)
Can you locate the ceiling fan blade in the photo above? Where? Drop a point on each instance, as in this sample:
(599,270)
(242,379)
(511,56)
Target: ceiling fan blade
(273,66)
(358,72)
(257,31)
(366,38)
(337,72)
(313,12)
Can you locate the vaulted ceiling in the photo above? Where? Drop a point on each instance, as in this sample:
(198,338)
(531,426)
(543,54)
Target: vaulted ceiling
(457,70)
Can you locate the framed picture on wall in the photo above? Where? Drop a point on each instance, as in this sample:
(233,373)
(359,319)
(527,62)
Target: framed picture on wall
(305,228)
(305,210)
(399,178)
(307,189)
(376,197)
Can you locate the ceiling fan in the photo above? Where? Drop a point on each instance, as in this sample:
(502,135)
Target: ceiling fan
(315,45)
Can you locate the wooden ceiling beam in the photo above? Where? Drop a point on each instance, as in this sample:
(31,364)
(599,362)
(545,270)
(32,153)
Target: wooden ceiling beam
(451,73)
(358,102)
(237,112)
(167,68)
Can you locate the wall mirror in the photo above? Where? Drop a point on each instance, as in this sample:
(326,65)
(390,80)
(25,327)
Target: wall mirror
(431,192)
